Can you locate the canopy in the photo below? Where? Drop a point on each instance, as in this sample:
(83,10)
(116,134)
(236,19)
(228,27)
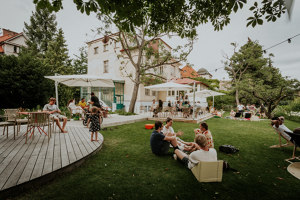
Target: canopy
(207,93)
(83,80)
(169,86)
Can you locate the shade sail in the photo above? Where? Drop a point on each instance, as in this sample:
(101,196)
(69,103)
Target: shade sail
(169,86)
(82,80)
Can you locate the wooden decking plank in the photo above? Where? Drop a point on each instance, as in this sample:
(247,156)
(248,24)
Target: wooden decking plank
(13,179)
(31,162)
(39,165)
(56,155)
(9,155)
(48,166)
(80,144)
(70,150)
(6,149)
(84,140)
(87,135)
(63,150)
(12,173)
(75,145)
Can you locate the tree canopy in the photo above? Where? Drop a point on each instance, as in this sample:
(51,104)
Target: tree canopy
(179,16)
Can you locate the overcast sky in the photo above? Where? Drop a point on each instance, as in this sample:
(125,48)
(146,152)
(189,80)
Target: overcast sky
(208,51)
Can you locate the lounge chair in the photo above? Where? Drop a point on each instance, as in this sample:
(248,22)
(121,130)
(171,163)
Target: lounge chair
(295,138)
(287,144)
(209,171)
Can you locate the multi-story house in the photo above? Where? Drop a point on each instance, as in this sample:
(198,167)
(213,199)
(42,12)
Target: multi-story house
(202,72)
(11,42)
(105,60)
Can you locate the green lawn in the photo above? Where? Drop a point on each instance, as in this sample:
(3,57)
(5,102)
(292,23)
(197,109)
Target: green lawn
(125,168)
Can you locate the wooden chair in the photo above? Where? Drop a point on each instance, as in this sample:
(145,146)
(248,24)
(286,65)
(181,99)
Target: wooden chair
(208,171)
(287,144)
(13,116)
(296,141)
(38,120)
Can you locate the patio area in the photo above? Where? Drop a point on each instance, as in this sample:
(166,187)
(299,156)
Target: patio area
(24,165)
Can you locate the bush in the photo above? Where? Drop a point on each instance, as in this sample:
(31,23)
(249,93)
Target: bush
(123,112)
(288,111)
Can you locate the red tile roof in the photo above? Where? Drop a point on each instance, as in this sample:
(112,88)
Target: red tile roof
(188,72)
(1,49)
(5,37)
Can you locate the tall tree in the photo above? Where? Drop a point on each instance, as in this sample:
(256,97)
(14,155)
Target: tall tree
(41,30)
(247,59)
(80,62)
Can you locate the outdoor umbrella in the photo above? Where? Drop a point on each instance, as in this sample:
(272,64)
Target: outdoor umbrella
(169,86)
(207,93)
(83,80)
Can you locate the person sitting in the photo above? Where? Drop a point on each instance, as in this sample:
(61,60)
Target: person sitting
(203,129)
(54,112)
(160,143)
(277,123)
(204,153)
(75,109)
(82,103)
(232,114)
(169,131)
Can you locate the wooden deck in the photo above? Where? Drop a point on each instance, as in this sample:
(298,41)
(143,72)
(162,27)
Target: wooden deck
(22,163)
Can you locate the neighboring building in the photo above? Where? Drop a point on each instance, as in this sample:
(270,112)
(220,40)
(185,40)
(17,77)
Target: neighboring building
(11,42)
(225,85)
(104,60)
(188,72)
(202,72)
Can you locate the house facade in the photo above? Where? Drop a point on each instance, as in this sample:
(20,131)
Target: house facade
(188,72)
(11,42)
(106,59)
(202,72)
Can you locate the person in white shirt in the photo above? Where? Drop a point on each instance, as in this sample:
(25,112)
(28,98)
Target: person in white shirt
(75,109)
(169,131)
(203,154)
(241,108)
(279,126)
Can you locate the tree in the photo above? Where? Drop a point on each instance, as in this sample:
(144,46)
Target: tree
(270,87)
(185,14)
(24,82)
(249,58)
(41,30)
(80,63)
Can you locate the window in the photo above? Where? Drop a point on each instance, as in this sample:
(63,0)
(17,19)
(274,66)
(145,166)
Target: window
(105,69)
(153,93)
(105,47)
(161,70)
(169,93)
(116,45)
(147,92)
(15,49)
(96,50)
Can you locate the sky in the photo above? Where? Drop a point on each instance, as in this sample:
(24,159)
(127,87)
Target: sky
(209,50)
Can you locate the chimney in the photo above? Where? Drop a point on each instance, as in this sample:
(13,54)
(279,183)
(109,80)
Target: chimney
(8,32)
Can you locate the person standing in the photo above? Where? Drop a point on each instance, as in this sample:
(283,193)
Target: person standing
(94,118)
(94,100)
(241,108)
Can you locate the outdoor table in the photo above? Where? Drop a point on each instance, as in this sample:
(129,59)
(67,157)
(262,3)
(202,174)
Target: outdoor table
(37,120)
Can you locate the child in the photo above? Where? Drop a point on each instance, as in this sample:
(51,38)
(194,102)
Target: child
(94,118)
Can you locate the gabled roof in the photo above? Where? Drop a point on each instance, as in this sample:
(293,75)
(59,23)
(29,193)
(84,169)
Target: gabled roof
(5,37)
(188,72)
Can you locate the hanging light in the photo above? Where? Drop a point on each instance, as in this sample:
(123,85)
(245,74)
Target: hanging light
(289,40)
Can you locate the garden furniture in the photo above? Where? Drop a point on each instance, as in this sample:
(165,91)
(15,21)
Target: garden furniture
(208,171)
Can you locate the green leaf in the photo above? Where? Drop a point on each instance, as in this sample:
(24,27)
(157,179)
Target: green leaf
(260,21)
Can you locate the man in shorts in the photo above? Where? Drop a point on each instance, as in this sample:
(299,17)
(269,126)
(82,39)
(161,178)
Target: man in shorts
(160,143)
(54,112)
(203,154)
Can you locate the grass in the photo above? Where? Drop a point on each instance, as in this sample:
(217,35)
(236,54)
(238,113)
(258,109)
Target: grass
(125,168)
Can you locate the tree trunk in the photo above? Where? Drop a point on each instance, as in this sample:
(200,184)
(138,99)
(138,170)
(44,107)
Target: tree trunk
(269,111)
(237,96)
(134,97)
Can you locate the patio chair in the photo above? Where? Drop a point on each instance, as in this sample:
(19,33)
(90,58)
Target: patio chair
(211,171)
(296,141)
(13,116)
(287,144)
(38,120)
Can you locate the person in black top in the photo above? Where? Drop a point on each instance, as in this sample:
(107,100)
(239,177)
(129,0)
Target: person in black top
(159,142)
(94,100)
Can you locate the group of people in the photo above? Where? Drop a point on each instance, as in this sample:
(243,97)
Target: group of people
(177,106)
(188,153)
(248,111)
(93,117)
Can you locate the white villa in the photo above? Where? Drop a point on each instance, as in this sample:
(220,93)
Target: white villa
(104,60)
